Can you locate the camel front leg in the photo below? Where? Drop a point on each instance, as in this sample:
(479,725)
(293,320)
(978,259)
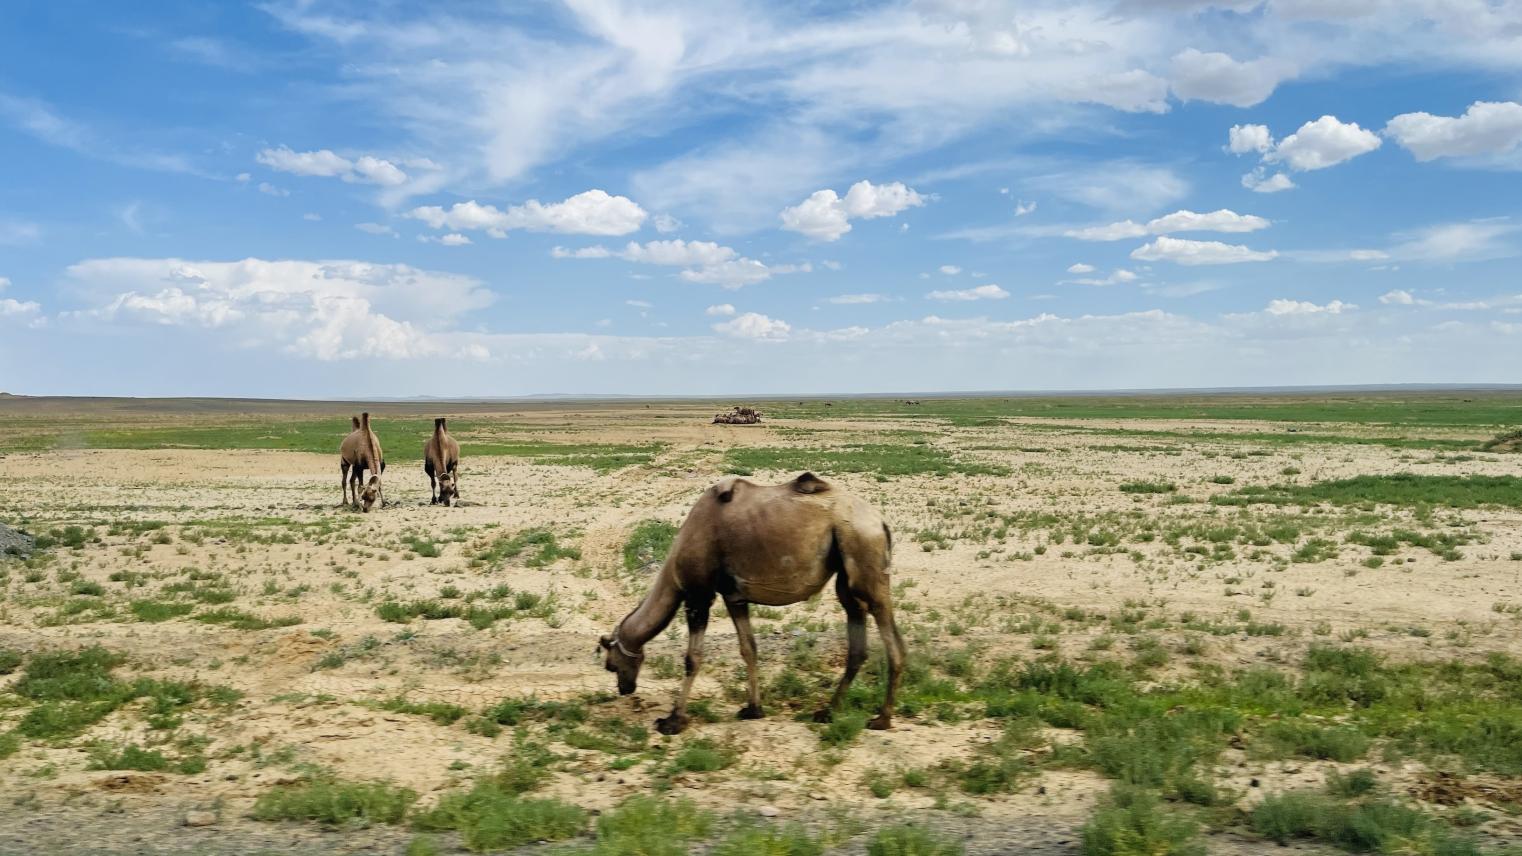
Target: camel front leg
(697,625)
(893,644)
(343,481)
(740,612)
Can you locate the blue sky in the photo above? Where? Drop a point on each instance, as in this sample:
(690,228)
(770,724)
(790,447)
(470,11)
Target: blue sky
(336,199)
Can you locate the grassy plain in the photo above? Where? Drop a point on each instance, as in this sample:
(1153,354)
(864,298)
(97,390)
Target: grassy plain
(1138,625)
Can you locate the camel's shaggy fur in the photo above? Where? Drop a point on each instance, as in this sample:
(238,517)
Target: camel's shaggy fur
(772,545)
(361,451)
(441,461)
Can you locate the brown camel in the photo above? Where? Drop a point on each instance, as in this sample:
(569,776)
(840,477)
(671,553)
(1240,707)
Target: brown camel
(441,461)
(772,545)
(361,451)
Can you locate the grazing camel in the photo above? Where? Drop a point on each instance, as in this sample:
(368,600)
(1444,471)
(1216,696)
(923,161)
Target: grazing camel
(771,545)
(361,451)
(441,459)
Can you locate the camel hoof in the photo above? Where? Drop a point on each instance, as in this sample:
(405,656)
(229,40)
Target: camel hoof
(824,714)
(881,723)
(751,711)
(671,725)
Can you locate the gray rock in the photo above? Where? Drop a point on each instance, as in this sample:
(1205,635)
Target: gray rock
(14,542)
(200,818)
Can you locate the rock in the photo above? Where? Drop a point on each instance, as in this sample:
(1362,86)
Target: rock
(768,811)
(200,818)
(14,542)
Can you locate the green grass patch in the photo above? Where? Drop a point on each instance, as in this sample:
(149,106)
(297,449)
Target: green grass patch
(539,547)
(1132,822)
(911,840)
(648,544)
(154,611)
(880,459)
(336,802)
(1148,487)
(237,619)
(1401,489)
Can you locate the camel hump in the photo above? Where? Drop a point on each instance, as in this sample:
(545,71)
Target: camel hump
(810,483)
(724,488)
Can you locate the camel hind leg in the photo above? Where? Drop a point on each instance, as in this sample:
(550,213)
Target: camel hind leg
(893,644)
(433,488)
(856,645)
(740,613)
(343,480)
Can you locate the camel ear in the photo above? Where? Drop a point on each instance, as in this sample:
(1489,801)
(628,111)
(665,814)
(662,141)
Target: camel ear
(605,642)
(724,490)
(810,483)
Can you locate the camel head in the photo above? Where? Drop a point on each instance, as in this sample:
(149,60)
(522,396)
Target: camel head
(622,662)
(449,489)
(371,493)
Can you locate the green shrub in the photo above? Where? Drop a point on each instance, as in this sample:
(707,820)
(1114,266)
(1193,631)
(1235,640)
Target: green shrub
(910,840)
(648,544)
(491,818)
(790,840)
(1309,740)
(702,756)
(650,826)
(1148,487)
(333,801)
(1131,822)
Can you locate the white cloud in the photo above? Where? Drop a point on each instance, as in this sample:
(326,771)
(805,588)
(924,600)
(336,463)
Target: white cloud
(1218,78)
(855,299)
(950,270)
(312,216)
(1080,267)
(1398,297)
(1117,277)
(825,216)
(1249,138)
(375,229)
(1186,252)
(592,212)
(1476,240)
(1301,307)
(1023,208)
(982,292)
(331,310)
(16,233)
(1111,232)
(325,163)
(754,325)
(1222,220)
(1184,220)
(452,239)
(271,190)
(1115,186)
(1259,181)
(1486,128)
(664,223)
(721,309)
(706,261)
(322,162)
(1323,143)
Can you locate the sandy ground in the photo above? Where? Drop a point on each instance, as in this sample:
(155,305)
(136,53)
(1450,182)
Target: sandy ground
(972,591)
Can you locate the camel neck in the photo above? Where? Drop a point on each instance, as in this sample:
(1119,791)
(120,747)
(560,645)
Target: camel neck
(652,615)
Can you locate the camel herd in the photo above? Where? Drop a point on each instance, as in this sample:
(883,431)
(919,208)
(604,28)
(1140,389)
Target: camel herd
(360,452)
(772,545)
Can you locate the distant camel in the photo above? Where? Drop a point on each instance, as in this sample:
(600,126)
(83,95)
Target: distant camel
(441,461)
(361,451)
(772,545)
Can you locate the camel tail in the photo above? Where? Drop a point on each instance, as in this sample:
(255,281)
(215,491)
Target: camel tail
(355,420)
(888,554)
(375,462)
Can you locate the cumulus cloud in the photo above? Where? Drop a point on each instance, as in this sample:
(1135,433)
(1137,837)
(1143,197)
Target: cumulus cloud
(950,270)
(982,292)
(856,299)
(1486,128)
(452,239)
(1186,252)
(1259,181)
(1080,267)
(1222,220)
(591,212)
(755,326)
(706,261)
(1281,307)
(1218,78)
(1023,208)
(1242,139)
(825,216)
(1398,297)
(330,310)
(1323,143)
(11,308)
(326,163)
(721,309)
(375,229)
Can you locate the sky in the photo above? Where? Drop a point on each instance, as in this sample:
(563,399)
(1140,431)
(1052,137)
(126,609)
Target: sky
(334,199)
